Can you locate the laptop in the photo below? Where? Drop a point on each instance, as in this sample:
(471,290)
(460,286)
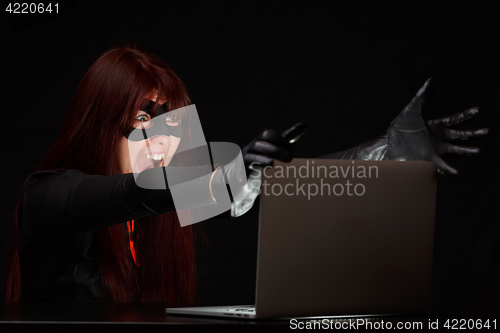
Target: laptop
(341,238)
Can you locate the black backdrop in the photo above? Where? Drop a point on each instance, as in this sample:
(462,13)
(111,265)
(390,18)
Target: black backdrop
(345,68)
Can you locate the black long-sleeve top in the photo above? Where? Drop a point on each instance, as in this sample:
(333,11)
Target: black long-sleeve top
(60,211)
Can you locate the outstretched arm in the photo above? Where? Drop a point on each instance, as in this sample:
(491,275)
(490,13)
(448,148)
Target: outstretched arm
(411,138)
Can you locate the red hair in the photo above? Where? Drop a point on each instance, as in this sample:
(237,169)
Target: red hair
(104,105)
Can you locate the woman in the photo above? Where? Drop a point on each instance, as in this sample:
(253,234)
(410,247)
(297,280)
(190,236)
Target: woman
(73,233)
(84,231)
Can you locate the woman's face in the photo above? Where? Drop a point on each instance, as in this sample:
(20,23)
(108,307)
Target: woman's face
(137,156)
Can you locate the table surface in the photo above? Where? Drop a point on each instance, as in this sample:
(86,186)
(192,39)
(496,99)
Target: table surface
(124,317)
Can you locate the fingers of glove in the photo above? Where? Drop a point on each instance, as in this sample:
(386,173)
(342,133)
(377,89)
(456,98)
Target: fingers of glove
(271,150)
(258,160)
(444,167)
(468,151)
(457,118)
(267,146)
(275,138)
(273,145)
(456,135)
(294,133)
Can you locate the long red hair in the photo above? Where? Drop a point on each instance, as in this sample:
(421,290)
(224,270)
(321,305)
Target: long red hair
(103,107)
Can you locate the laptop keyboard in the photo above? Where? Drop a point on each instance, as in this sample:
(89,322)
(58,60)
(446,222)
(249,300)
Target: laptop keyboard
(248,309)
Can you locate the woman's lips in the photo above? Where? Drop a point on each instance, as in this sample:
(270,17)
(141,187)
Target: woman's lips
(148,161)
(155,156)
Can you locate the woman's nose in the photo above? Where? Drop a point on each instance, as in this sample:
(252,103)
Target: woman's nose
(159,139)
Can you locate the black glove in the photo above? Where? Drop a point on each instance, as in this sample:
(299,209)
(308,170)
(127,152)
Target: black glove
(441,134)
(270,145)
(411,138)
(260,153)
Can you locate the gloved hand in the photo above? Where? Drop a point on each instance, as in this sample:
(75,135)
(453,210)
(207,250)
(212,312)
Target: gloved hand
(411,138)
(441,134)
(267,146)
(260,153)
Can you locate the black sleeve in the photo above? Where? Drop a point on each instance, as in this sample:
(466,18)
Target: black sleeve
(61,202)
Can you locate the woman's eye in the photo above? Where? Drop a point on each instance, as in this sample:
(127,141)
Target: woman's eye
(142,118)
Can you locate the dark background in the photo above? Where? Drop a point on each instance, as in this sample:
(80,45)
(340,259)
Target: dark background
(345,68)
